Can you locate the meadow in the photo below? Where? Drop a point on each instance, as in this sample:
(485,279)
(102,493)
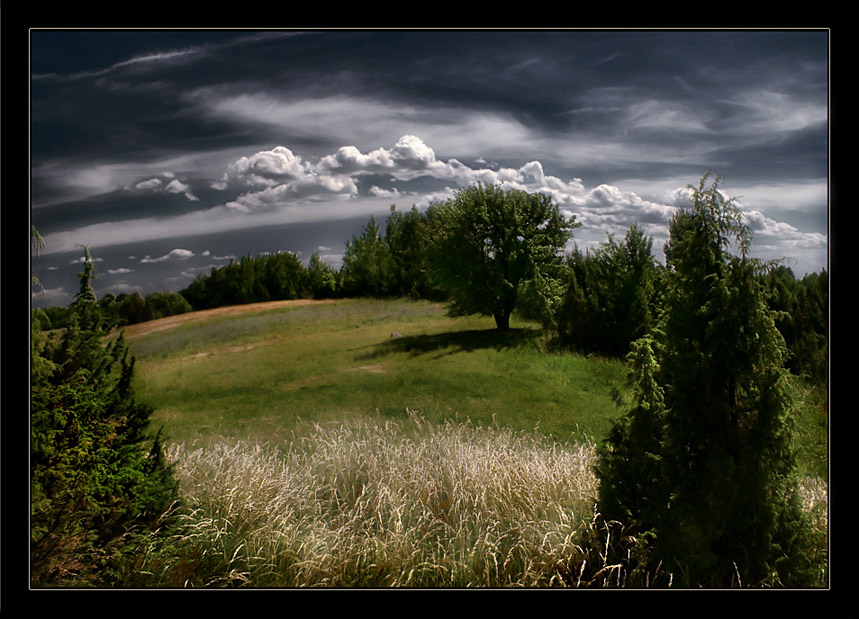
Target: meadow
(255,375)
(378,443)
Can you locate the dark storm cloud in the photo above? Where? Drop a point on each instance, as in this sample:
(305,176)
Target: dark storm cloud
(167,137)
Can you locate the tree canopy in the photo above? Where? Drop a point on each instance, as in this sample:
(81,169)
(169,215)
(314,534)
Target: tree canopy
(490,244)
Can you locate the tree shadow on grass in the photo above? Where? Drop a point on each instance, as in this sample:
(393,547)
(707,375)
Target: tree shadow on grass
(454,342)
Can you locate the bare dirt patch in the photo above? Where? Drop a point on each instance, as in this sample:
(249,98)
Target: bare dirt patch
(163,324)
(319,378)
(375,369)
(229,349)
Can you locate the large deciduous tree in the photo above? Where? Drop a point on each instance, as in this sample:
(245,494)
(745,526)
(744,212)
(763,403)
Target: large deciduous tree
(491,244)
(703,459)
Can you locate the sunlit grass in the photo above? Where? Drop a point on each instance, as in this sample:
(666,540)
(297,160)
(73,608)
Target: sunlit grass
(381,502)
(255,375)
(302,462)
(376,502)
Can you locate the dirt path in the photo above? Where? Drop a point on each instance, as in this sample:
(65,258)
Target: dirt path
(162,324)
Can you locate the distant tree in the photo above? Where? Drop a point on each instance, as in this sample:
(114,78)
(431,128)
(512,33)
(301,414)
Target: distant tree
(609,297)
(269,277)
(367,269)
(295,278)
(58,316)
(703,461)
(408,235)
(491,244)
(162,304)
(197,293)
(802,317)
(322,279)
(131,308)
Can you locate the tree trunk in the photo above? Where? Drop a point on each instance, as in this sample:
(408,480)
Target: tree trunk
(502,320)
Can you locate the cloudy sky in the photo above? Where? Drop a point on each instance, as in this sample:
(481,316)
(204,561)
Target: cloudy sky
(170,152)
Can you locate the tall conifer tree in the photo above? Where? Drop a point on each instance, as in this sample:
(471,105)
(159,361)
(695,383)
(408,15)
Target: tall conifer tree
(703,460)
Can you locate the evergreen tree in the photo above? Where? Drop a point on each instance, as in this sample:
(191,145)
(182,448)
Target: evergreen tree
(703,460)
(37,243)
(91,477)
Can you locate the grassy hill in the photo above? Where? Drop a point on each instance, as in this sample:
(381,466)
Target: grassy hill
(382,443)
(255,375)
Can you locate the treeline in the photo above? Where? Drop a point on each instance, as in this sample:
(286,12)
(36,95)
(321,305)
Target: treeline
(269,277)
(593,302)
(613,295)
(121,310)
(375,264)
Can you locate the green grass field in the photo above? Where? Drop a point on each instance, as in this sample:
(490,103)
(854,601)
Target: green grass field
(314,449)
(256,375)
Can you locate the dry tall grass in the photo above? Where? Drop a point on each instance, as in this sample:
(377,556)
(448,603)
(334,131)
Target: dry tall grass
(388,503)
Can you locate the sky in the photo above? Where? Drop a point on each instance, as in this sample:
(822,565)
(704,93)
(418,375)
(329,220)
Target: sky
(171,152)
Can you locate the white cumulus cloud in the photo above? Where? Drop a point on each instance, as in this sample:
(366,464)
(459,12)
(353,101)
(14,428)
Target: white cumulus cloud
(176,254)
(152,183)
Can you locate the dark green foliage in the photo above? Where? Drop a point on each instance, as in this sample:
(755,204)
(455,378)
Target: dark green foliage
(269,277)
(129,309)
(703,459)
(132,308)
(609,296)
(162,304)
(40,320)
(630,461)
(368,267)
(58,317)
(92,476)
(407,236)
(802,318)
(322,279)
(490,246)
